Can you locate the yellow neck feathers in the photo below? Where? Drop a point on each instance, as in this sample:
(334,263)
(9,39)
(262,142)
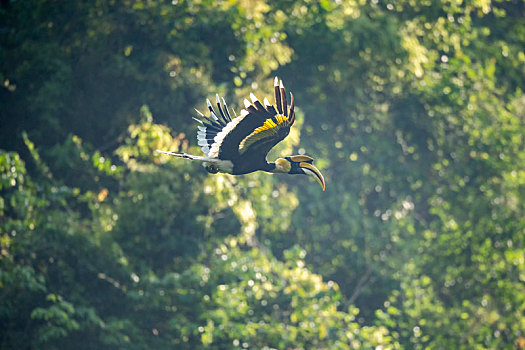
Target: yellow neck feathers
(282,166)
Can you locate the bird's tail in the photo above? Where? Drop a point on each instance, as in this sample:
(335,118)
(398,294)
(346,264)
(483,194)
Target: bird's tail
(212,165)
(185,155)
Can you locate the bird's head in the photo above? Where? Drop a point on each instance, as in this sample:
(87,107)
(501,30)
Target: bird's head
(299,165)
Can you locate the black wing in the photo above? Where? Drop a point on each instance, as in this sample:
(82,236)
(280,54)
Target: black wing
(255,131)
(212,125)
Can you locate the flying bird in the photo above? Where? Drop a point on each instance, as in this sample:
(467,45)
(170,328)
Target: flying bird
(239,145)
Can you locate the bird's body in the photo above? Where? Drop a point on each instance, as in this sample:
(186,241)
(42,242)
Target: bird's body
(239,145)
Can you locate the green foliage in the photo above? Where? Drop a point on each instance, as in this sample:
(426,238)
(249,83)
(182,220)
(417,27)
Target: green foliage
(260,303)
(413,110)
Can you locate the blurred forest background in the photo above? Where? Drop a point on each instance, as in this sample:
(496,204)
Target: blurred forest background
(413,110)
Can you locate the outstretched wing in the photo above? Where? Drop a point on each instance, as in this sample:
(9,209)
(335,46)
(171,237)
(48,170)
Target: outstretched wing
(263,138)
(258,128)
(213,125)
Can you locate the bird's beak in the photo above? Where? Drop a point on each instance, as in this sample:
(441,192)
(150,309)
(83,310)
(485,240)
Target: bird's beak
(311,170)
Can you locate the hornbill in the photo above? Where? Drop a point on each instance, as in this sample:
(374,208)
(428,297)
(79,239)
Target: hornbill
(239,145)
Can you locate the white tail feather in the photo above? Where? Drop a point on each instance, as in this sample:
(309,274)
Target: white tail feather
(224,166)
(184,155)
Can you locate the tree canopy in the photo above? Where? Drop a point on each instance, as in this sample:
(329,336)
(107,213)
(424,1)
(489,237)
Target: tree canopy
(413,111)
